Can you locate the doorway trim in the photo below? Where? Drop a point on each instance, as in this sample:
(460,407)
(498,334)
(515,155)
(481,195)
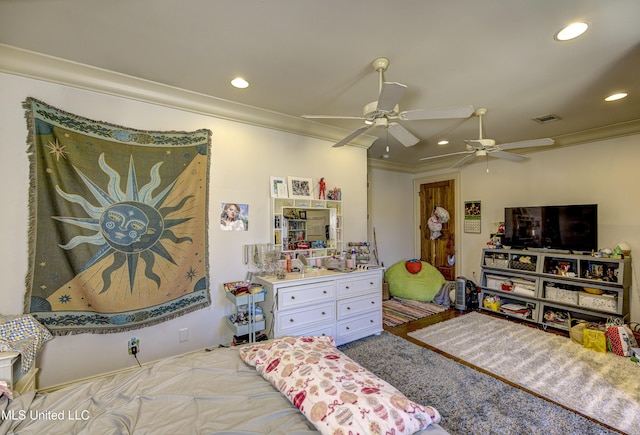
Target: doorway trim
(455,176)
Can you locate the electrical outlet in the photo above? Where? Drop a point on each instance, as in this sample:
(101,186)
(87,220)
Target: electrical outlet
(183,334)
(134,346)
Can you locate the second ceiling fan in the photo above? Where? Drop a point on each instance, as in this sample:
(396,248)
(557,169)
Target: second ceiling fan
(483,147)
(379,113)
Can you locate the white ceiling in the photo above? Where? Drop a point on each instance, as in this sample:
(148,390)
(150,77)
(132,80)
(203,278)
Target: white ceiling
(314,57)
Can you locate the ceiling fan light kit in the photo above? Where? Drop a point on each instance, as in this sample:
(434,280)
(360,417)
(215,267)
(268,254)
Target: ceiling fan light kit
(379,113)
(482,147)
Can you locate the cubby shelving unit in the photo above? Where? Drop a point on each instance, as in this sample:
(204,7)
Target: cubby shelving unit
(551,286)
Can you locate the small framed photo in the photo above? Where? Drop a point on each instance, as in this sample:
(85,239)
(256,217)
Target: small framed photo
(300,188)
(278,187)
(302,214)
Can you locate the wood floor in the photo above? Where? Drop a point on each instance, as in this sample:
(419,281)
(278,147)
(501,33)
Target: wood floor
(404,329)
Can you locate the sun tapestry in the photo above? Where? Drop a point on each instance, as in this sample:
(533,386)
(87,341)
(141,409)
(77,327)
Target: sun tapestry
(118,223)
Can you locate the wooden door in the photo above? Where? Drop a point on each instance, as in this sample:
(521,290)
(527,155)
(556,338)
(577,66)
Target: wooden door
(441,251)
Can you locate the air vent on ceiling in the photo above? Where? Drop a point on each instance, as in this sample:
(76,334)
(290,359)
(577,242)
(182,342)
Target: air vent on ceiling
(544,119)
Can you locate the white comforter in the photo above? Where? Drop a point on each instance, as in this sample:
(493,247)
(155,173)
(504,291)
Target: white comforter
(197,393)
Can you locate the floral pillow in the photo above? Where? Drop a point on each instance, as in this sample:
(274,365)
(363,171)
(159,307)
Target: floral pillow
(337,395)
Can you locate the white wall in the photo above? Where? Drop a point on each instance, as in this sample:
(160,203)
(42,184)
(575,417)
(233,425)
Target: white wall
(391,215)
(242,159)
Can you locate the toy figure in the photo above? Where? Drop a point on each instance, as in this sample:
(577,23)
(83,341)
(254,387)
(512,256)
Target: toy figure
(323,189)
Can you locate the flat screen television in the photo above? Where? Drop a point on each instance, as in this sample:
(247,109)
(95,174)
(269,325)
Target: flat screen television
(572,228)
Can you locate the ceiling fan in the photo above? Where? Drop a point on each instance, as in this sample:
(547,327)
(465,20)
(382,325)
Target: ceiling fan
(483,147)
(379,113)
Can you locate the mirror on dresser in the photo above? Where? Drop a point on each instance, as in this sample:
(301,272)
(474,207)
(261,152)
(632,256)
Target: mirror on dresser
(309,227)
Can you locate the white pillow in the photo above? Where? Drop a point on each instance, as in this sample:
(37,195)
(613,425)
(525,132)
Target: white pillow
(335,393)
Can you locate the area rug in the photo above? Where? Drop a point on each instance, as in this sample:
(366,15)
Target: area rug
(605,387)
(469,401)
(117,223)
(396,311)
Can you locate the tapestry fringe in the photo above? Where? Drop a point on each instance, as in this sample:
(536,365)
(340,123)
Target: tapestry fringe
(28,107)
(132,327)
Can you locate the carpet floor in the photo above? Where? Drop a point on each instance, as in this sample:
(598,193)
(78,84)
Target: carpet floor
(396,311)
(605,387)
(469,401)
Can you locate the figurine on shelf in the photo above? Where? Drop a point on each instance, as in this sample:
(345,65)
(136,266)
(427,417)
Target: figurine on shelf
(323,189)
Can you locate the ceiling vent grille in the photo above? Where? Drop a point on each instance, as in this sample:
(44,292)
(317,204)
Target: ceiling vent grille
(545,119)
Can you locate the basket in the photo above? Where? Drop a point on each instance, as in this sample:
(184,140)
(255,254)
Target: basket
(496,262)
(561,295)
(531,267)
(598,302)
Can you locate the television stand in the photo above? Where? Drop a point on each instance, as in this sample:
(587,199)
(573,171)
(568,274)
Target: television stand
(547,287)
(551,250)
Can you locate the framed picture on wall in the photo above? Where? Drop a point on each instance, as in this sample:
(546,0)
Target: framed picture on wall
(278,187)
(300,187)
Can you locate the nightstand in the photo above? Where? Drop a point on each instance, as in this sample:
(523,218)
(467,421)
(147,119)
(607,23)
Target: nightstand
(10,364)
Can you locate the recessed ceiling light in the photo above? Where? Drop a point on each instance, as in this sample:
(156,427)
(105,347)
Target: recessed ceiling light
(572,31)
(443,142)
(615,97)
(240,83)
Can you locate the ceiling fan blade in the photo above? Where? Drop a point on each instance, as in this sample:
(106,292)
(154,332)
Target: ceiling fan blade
(330,117)
(507,156)
(403,135)
(353,134)
(446,155)
(464,160)
(437,113)
(527,144)
(390,95)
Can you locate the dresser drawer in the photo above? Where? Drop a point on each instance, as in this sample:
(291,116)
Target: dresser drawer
(359,326)
(295,296)
(358,305)
(357,286)
(324,330)
(292,320)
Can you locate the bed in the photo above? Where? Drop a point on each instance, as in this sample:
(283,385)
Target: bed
(210,391)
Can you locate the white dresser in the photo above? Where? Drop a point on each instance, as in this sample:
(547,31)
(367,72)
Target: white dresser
(345,305)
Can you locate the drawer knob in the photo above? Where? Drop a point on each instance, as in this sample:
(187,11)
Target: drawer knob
(371,283)
(324,292)
(348,308)
(347,287)
(293,297)
(323,313)
(291,320)
(373,302)
(347,328)
(371,321)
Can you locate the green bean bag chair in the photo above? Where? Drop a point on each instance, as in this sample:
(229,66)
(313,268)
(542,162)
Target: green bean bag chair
(422,285)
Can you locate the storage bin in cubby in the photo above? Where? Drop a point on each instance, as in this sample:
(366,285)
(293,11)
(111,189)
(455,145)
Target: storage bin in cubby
(561,295)
(598,302)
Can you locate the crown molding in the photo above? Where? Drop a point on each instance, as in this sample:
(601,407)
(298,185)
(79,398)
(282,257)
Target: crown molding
(628,128)
(39,66)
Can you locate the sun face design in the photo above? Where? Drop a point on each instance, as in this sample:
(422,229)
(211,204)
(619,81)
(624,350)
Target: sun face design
(129,225)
